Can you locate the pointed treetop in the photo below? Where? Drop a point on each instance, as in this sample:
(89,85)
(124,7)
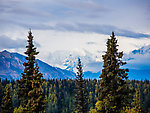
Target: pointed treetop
(79,64)
(29,30)
(113,34)
(79,60)
(30,33)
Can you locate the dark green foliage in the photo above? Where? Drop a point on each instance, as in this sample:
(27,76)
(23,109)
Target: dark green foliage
(145,94)
(37,101)
(63,90)
(15,100)
(114,90)
(25,83)
(60,95)
(147,103)
(3,84)
(30,90)
(81,99)
(7,101)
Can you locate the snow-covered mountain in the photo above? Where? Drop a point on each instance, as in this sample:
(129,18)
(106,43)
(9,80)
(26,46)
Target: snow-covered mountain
(143,50)
(68,60)
(138,63)
(11,67)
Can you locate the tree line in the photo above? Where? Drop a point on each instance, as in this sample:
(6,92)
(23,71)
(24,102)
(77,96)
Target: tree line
(113,93)
(60,94)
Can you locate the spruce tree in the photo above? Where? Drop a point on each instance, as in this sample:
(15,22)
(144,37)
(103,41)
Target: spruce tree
(25,83)
(37,101)
(81,99)
(114,90)
(7,101)
(136,104)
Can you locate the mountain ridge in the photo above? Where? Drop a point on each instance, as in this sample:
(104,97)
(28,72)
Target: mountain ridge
(11,67)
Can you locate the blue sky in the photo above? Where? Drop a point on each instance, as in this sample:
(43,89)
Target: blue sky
(78,27)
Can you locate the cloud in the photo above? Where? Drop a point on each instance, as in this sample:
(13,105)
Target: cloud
(86,28)
(85,7)
(84,16)
(139,59)
(93,28)
(68,60)
(20,8)
(20,13)
(8,43)
(94,66)
(66,24)
(91,43)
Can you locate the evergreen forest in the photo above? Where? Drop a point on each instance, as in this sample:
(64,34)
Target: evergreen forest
(113,92)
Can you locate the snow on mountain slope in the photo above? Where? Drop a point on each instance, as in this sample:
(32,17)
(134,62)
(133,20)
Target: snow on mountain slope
(143,50)
(139,59)
(69,59)
(11,67)
(138,62)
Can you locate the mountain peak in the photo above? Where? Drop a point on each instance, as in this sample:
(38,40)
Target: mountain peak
(11,67)
(5,51)
(142,50)
(6,54)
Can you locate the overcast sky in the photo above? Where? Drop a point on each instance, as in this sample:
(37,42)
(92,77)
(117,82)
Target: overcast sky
(80,27)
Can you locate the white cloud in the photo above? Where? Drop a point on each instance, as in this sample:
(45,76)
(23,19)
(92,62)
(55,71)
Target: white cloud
(59,45)
(8,43)
(139,62)
(129,44)
(132,15)
(83,27)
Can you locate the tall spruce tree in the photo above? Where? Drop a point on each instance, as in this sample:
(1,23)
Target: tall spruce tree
(114,90)
(7,101)
(37,101)
(25,83)
(81,99)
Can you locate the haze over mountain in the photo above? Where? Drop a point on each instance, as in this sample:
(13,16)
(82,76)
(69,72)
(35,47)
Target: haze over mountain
(138,63)
(11,66)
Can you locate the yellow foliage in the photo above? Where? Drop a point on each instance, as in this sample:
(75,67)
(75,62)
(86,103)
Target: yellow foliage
(93,111)
(18,110)
(98,107)
(129,110)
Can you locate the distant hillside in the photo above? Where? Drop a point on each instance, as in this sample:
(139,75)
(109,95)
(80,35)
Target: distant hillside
(11,67)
